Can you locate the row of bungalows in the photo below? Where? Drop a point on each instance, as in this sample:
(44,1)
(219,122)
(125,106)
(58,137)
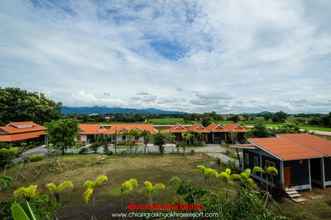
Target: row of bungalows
(303,160)
(19,132)
(212,134)
(114,133)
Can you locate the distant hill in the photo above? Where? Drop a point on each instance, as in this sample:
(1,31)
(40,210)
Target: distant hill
(110,110)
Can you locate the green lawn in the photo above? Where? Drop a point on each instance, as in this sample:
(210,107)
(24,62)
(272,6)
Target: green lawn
(166,121)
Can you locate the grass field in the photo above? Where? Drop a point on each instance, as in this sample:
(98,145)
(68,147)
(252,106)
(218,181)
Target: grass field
(155,168)
(79,168)
(172,121)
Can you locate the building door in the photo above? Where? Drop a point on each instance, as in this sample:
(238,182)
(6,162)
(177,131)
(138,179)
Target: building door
(287,176)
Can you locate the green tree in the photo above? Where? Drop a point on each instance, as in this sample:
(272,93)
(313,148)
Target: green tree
(146,136)
(206,121)
(7,154)
(134,135)
(62,133)
(20,105)
(160,140)
(260,130)
(279,117)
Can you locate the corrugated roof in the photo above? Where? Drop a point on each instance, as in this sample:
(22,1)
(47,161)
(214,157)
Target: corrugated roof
(294,146)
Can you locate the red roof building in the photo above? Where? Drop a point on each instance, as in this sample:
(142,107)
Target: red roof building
(302,159)
(21,131)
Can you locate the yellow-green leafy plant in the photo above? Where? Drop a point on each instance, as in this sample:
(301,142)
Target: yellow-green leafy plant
(55,190)
(91,186)
(225,175)
(257,170)
(127,187)
(152,189)
(27,193)
(207,172)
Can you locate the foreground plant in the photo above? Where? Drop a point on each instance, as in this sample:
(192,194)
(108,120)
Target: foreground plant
(152,189)
(55,190)
(91,186)
(18,213)
(127,187)
(5,183)
(27,193)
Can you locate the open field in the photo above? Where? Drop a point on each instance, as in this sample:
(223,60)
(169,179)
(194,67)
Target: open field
(82,167)
(143,167)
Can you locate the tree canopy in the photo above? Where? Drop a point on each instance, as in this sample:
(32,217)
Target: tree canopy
(63,133)
(20,105)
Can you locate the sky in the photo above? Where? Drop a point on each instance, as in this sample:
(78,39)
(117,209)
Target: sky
(228,56)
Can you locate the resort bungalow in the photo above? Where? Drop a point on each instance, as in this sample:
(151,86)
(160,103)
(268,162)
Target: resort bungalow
(301,159)
(199,131)
(114,132)
(212,134)
(229,133)
(18,132)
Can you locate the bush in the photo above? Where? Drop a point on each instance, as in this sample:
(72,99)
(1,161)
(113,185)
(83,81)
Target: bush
(5,183)
(7,155)
(36,157)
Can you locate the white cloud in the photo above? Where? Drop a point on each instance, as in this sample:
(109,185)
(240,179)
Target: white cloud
(197,55)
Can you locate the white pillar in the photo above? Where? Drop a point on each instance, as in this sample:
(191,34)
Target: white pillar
(281,170)
(309,174)
(323,172)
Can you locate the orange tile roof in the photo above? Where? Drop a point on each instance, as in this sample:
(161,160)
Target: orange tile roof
(215,127)
(20,131)
(310,141)
(21,136)
(21,127)
(225,128)
(197,128)
(234,128)
(178,129)
(114,128)
(294,146)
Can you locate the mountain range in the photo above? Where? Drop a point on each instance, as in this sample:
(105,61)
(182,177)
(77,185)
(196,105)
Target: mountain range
(113,110)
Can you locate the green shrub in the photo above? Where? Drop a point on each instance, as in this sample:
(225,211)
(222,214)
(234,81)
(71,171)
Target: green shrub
(7,155)
(35,158)
(5,183)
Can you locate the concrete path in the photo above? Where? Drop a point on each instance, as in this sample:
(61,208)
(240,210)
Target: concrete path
(216,151)
(323,133)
